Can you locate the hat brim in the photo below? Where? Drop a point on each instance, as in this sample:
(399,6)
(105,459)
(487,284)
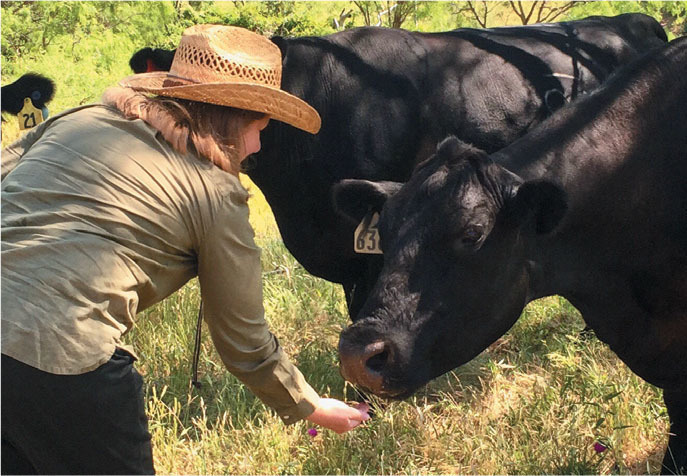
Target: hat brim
(276,103)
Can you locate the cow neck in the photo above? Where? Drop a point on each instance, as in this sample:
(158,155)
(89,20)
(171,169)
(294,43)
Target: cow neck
(611,154)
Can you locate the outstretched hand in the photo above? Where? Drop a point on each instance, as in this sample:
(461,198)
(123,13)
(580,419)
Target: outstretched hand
(338,416)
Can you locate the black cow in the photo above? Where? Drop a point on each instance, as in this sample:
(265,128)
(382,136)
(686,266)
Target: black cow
(39,88)
(387,96)
(147,60)
(590,205)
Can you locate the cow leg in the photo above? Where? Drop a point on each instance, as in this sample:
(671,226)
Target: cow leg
(675,460)
(355,298)
(358,290)
(348,293)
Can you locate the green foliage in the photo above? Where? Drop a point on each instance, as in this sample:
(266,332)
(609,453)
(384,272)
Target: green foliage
(101,36)
(672,15)
(85,46)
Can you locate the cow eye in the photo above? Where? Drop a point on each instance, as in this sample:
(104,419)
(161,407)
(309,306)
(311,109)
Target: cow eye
(468,239)
(471,236)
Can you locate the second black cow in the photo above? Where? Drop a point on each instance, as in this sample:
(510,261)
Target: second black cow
(387,96)
(590,205)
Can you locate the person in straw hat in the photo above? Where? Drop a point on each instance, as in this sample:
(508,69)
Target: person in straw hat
(109,208)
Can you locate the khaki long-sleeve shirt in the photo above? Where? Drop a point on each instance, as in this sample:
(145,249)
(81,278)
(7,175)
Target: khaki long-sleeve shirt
(101,219)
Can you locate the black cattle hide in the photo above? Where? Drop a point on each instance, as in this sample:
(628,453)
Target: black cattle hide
(590,205)
(387,96)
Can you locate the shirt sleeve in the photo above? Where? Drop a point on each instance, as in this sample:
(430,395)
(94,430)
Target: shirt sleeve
(230,278)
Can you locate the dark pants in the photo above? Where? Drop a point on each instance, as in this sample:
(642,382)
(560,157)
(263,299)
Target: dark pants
(93,423)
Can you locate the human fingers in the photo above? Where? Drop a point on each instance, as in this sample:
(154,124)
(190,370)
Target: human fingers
(363,407)
(359,413)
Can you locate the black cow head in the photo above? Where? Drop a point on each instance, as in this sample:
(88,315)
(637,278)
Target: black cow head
(455,277)
(39,88)
(147,60)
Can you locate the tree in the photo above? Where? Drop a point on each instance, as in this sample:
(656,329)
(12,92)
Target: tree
(540,11)
(339,23)
(479,10)
(671,15)
(483,12)
(387,13)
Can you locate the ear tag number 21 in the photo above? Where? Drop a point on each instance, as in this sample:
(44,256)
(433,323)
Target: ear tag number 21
(30,116)
(366,238)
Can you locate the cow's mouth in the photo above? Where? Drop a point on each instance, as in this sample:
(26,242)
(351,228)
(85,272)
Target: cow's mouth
(363,365)
(387,393)
(375,362)
(398,394)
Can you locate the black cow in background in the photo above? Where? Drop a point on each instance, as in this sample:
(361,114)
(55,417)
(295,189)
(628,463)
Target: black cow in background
(591,205)
(387,96)
(148,60)
(39,88)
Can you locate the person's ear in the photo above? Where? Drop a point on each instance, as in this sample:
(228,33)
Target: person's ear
(354,198)
(540,202)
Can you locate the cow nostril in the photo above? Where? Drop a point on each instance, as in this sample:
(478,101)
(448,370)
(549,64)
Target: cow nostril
(376,363)
(376,356)
(364,365)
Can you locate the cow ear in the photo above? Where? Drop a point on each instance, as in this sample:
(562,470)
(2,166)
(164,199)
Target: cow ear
(453,151)
(282,43)
(164,58)
(542,202)
(354,198)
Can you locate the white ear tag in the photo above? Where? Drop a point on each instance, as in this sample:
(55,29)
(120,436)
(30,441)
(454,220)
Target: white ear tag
(29,116)
(366,237)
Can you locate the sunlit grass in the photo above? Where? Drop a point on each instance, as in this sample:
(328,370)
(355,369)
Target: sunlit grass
(535,402)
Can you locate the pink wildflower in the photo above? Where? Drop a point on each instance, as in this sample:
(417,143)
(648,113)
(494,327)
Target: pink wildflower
(599,447)
(312,432)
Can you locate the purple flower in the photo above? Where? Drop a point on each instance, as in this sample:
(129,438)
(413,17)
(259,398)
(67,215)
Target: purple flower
(599,447)
(312,432)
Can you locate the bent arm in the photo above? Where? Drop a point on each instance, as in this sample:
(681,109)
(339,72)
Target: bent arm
(231,287)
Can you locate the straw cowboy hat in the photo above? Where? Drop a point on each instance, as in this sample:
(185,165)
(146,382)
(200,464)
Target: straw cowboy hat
(228,66)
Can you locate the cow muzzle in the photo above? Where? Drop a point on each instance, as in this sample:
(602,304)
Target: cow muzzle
(364,365)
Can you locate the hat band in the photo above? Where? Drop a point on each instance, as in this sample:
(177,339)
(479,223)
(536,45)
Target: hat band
(172,82)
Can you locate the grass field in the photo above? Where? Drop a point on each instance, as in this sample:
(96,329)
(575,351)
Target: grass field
(535,402)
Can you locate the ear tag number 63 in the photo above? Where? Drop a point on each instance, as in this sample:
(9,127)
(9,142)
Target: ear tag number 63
(366,237)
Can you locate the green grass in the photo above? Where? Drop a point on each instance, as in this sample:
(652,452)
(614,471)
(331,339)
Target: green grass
(535,402)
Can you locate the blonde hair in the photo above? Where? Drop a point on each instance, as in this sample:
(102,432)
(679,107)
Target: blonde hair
(212,131)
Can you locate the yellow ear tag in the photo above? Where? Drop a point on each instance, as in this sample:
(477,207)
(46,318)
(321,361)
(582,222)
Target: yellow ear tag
(29,116)
(366,237)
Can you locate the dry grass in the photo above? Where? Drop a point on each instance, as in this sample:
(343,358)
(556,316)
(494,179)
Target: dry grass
(535,402)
